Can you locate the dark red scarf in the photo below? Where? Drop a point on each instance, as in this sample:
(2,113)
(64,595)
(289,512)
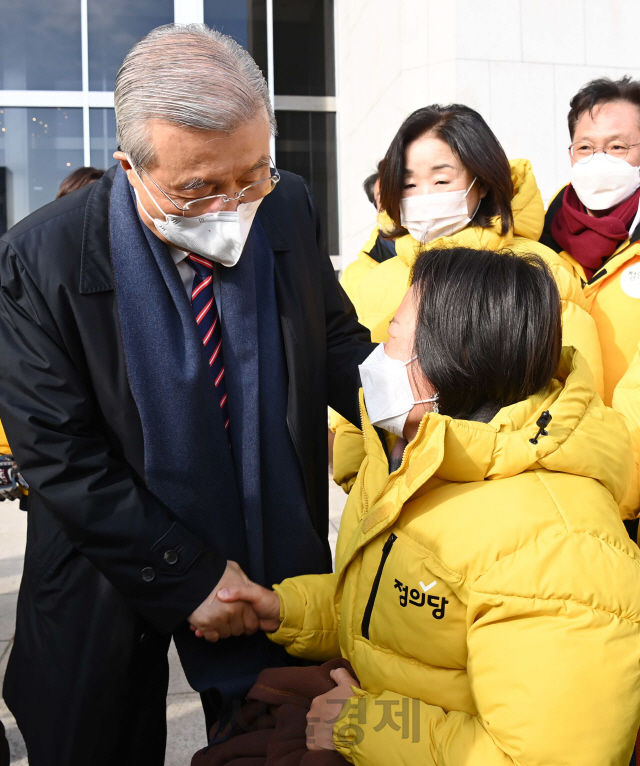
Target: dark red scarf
(588,239)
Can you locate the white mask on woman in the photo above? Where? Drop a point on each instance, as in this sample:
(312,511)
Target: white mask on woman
(604,182)
(387,391)
(218,236)
(429,216)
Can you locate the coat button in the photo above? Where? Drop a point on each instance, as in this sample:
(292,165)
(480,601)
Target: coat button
(148,574)
(145,637)
(171,557)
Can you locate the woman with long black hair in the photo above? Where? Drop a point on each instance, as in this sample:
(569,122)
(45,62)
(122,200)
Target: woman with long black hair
(445,181)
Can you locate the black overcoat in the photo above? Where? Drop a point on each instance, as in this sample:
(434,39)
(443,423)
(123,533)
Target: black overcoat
(96,533)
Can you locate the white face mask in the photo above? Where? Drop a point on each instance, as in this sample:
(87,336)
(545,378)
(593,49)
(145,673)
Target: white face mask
(429,216)
(604,182)
(387,391)
(218,236)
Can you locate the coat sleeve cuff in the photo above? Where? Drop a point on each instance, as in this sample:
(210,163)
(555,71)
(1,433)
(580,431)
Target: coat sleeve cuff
(292,610)
(347,732)
(170,599)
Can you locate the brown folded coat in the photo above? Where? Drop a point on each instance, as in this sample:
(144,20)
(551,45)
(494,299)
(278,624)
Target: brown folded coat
(271,726)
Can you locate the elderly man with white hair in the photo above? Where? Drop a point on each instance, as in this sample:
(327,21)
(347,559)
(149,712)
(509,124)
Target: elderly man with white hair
(171,337)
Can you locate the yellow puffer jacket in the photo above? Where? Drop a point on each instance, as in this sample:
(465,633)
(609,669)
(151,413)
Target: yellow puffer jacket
(358,270)
(486,593)
(613,298)
(382,288)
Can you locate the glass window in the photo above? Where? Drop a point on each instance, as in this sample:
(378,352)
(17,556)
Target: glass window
(114,28)
(306,144)
(40,46)
(245,21)
(38,147)
(102,130)
(303,48)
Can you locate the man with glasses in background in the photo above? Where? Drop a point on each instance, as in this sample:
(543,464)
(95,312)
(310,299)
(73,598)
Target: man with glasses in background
(172,335)
(594,222)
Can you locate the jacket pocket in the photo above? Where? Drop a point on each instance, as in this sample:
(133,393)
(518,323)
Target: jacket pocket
(366,618)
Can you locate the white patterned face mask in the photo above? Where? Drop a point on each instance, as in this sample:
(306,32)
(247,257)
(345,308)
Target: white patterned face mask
(387,391)
(220,236)
(429,216)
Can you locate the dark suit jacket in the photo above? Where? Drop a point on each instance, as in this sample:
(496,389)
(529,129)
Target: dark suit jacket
(72,421)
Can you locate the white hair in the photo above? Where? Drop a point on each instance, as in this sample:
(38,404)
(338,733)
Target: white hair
(188,75)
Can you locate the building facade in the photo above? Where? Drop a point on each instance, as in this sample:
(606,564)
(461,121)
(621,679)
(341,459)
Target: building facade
(518,62)
(58,63)
(343,76)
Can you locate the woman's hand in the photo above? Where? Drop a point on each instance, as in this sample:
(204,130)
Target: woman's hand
(325,709)
(265,603)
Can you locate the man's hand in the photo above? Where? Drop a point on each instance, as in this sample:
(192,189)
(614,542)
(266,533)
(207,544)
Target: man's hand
(326,708)
(214,619)
(265,603)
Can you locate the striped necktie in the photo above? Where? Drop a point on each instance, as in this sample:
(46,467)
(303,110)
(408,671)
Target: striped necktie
(207,318)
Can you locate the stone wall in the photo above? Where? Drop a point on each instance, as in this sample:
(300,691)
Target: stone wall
(518,62)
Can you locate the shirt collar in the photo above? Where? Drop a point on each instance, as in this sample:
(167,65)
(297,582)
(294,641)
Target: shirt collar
(177,254)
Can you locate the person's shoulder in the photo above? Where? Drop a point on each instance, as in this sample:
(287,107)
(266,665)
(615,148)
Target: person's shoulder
(567,279)
(62,217)
(293,188)
(49,242)
(290,206)
(353,275)
(524,245)
(558,537)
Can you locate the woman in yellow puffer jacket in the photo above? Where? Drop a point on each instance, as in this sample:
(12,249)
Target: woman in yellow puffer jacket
(453,149)
(486,592)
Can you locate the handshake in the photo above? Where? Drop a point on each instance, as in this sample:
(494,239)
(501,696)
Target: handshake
(236,607)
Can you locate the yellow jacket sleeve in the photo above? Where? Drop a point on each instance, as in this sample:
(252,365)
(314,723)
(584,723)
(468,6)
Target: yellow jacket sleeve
(538,669)
(348,453)
(354,274)
(4,444)
(309,626)
(626,401)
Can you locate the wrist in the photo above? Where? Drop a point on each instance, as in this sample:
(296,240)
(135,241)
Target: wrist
(277,611)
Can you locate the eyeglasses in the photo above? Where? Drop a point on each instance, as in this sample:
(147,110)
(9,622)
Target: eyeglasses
(583,151)
(251,193)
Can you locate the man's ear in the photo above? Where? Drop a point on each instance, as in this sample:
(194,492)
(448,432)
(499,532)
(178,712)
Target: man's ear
(122,159)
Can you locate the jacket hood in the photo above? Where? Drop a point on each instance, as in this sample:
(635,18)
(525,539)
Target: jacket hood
(585,438)
(528,220)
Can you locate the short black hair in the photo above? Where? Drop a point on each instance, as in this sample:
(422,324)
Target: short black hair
(602,91)
(472,141)
(368,184)
(488,329)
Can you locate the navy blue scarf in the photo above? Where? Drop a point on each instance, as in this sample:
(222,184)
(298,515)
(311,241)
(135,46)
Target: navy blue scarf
(188,464)
(248,503)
